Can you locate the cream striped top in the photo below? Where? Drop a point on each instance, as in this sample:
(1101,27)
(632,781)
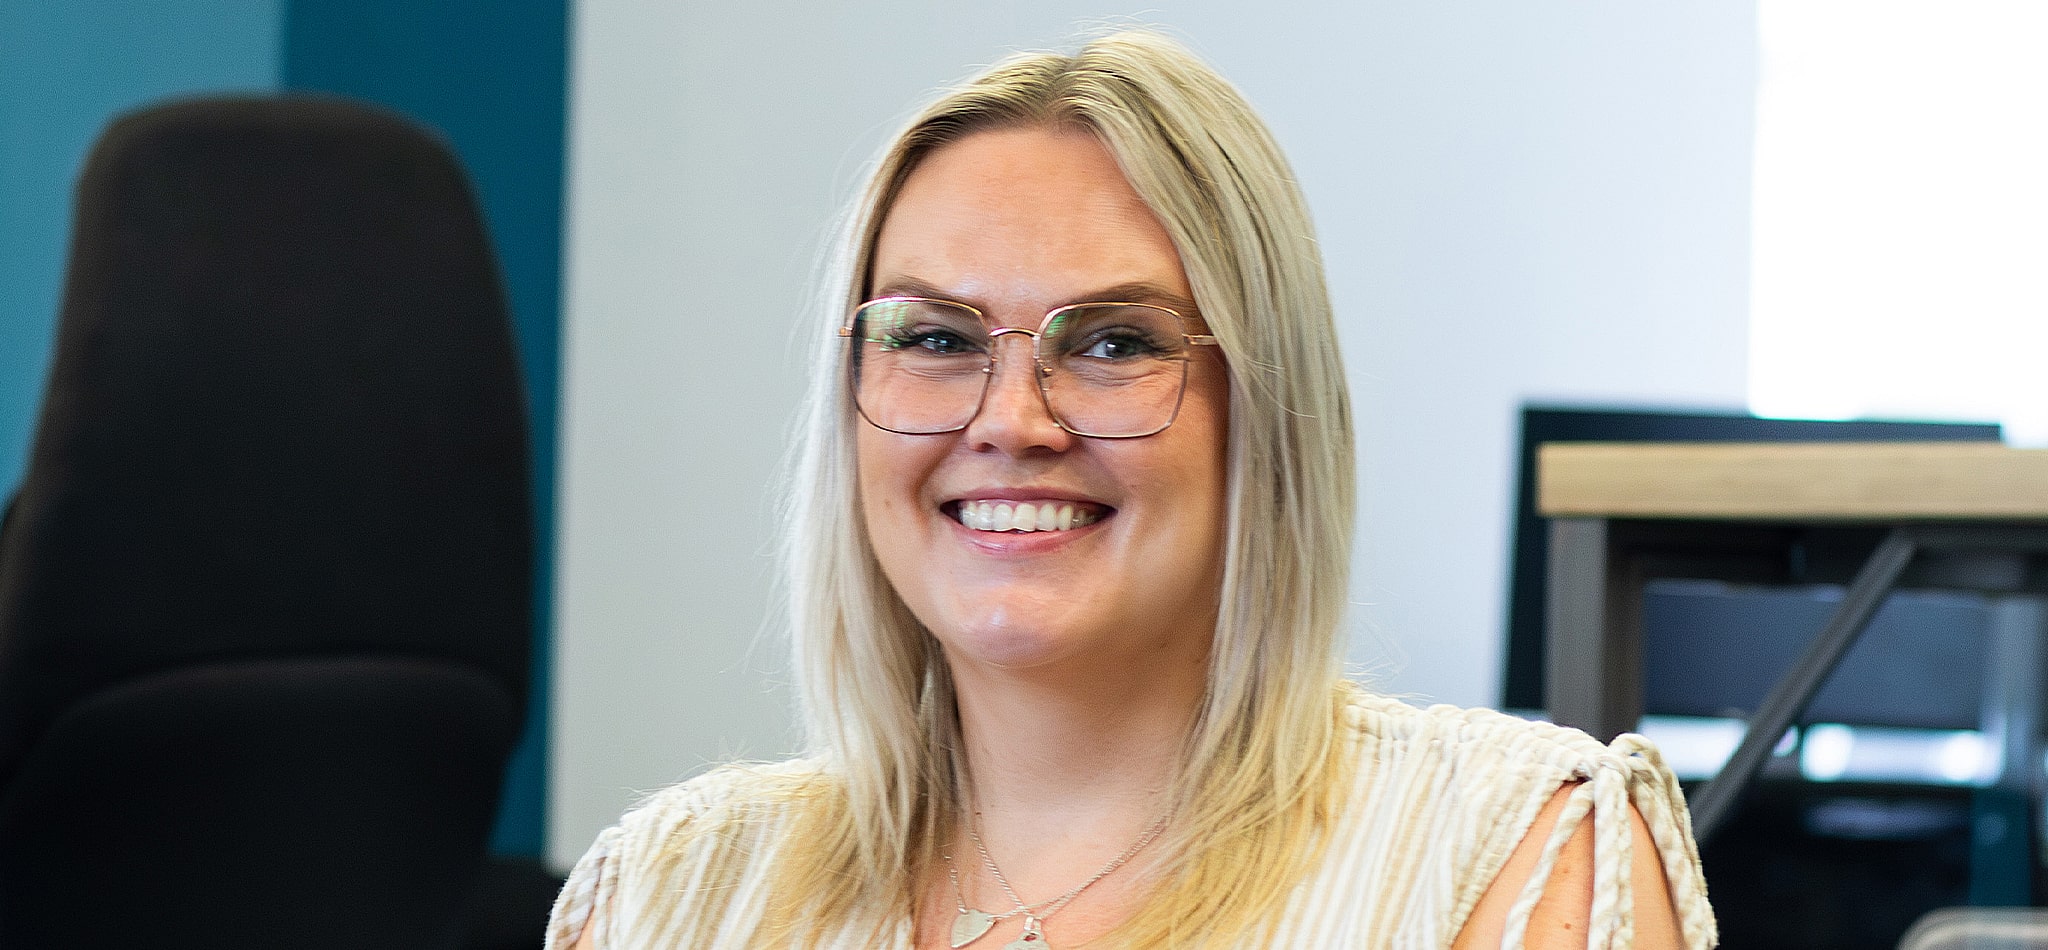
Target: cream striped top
(1442,796)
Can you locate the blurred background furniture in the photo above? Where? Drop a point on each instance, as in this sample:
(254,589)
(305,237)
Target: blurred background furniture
(1968,516)
(1979,928)
(1905,784)
(1525,670)
(265,590)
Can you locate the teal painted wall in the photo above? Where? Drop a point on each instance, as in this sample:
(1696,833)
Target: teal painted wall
(66,68)
(490,75)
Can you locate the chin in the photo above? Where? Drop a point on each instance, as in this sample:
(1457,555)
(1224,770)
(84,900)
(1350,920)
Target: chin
(998,639)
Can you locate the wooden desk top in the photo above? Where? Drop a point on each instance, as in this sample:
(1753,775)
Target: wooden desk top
(1817,481)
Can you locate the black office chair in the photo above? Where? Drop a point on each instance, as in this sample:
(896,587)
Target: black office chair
(265,589)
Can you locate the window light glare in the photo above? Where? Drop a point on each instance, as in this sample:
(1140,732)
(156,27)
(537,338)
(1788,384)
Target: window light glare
(1824,756)
(1967,758)
(1898,209)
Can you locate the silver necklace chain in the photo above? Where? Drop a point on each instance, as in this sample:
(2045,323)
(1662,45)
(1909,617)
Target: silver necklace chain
(960,896)
(974,924)
(1054,905)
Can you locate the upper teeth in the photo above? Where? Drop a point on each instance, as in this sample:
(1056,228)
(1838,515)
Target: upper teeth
(1024,515)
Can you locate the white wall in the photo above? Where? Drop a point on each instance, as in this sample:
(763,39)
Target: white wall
(1516,200)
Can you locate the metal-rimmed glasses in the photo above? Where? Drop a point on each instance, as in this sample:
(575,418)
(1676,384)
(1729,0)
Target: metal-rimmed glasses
(922,366)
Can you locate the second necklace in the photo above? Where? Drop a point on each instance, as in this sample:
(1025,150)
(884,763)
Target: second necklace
(972,924)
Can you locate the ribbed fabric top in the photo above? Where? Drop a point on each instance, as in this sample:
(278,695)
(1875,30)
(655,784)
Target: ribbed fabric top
(1442,796)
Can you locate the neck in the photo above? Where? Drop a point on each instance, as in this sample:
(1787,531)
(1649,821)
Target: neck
(1055,740)
(1067,768)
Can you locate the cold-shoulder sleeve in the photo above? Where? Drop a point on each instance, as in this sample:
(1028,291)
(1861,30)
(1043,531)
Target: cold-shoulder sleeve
(1443,796)
(1629,772)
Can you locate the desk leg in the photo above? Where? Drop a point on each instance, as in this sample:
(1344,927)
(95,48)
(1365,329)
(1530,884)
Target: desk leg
(1594,665)
(2002,842)
(1873,583)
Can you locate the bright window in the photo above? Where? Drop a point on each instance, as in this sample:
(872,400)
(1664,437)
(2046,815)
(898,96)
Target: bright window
(1900,256)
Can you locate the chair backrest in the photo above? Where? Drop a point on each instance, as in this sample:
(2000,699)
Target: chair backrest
(265,590)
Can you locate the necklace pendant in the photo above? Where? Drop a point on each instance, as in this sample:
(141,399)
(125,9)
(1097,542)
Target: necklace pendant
(970,926)
(1032,938)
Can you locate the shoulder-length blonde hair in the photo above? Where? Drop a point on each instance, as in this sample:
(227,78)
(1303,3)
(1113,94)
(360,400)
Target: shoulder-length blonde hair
(1262,763)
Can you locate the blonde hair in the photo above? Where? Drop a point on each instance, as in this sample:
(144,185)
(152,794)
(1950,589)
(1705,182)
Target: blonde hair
(1263,765)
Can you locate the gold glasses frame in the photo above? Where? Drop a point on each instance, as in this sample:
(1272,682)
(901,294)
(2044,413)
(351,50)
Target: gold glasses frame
(1044,373)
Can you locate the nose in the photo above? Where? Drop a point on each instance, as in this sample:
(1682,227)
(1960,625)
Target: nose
(1014,418)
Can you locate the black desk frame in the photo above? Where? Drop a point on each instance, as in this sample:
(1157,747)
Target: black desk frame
(1598,567)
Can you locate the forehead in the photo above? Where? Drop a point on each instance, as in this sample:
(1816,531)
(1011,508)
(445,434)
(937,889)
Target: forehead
(1029,216)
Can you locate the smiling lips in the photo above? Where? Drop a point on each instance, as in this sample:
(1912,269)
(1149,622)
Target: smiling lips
(1048,515)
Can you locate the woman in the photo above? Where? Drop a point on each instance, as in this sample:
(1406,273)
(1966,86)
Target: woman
(1068,553)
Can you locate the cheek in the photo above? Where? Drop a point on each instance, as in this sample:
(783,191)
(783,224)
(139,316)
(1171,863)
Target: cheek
(1209,411)
(1213,413)
(888,481)
(872,475)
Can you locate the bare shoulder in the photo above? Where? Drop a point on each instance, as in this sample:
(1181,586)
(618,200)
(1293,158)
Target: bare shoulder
(1563,914)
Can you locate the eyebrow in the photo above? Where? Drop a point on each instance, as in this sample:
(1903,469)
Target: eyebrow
(1138,291)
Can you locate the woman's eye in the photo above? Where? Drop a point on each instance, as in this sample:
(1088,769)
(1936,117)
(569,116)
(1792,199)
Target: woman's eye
(1119,346)
(937,342)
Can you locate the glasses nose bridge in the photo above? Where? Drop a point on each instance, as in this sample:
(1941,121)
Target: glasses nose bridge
(1033,368)
(997,333)
(1029,337)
